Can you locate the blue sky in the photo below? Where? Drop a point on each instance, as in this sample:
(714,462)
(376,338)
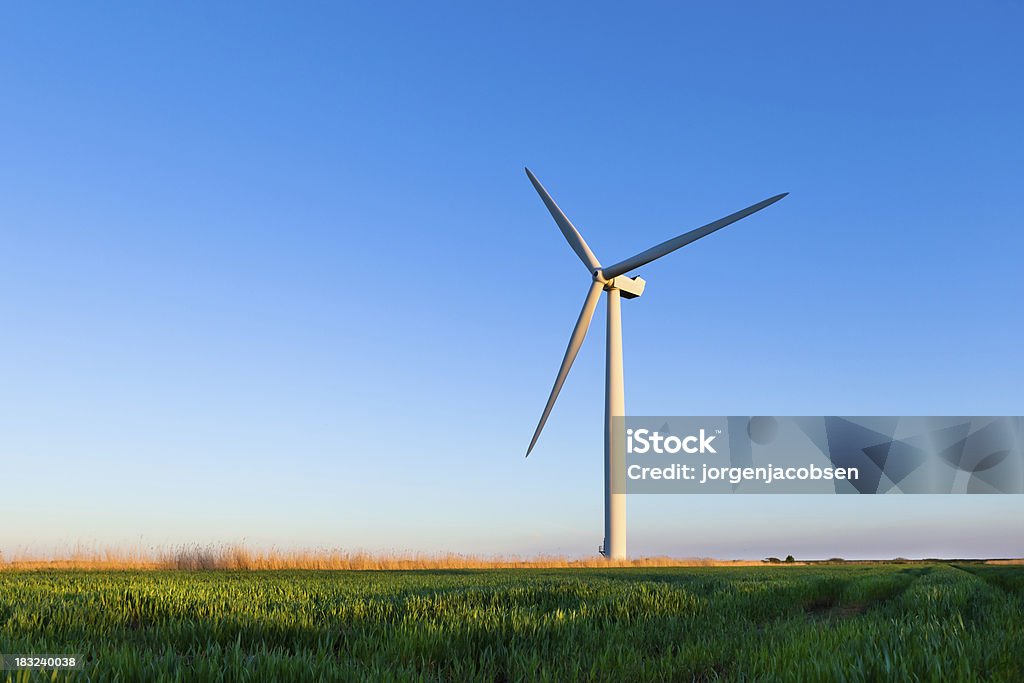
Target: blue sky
(274,272)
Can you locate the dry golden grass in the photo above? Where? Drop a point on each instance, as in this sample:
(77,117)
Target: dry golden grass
(239,557)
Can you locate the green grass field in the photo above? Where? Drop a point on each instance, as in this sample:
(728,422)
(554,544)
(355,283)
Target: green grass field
(932,622)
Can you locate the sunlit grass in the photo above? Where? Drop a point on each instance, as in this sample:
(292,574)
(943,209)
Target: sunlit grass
(929,622)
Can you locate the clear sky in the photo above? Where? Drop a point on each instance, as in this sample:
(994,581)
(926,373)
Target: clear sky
(273,272)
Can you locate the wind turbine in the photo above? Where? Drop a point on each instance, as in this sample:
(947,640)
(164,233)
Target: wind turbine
(613,280)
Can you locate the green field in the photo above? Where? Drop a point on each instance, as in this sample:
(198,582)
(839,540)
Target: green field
(934,622)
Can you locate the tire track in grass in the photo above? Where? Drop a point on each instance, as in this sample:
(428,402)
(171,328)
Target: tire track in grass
(1007,579)
(848,603)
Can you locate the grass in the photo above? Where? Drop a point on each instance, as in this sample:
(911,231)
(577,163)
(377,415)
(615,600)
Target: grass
(236,556)
(927,622)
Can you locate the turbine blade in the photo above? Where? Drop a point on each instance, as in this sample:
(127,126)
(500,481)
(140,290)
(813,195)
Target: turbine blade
(671,245)
(579,333)
(572,235)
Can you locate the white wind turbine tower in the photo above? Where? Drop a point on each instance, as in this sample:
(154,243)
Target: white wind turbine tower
(613,280)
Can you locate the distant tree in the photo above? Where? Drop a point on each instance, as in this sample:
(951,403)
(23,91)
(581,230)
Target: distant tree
(772,560)
(837,560)
(789,558)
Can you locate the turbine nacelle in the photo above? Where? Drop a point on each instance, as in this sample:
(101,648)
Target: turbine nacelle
(629,287)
